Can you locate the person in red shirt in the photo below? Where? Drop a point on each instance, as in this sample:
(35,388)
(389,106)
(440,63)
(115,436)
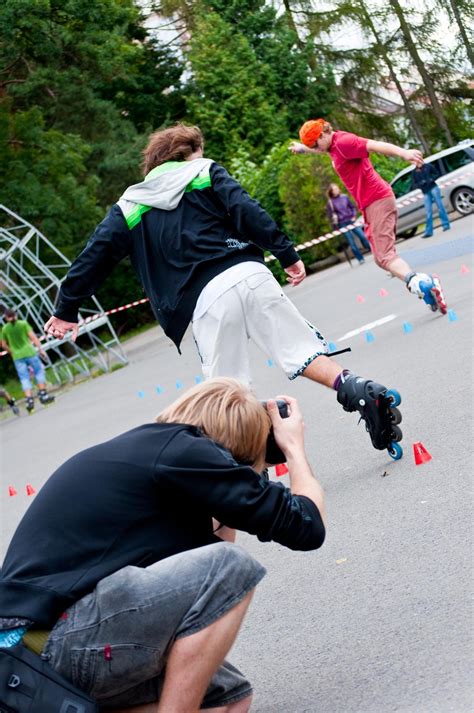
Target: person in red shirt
(373,196)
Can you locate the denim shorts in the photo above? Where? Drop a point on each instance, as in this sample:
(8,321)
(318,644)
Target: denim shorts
(22,369)
(113,643)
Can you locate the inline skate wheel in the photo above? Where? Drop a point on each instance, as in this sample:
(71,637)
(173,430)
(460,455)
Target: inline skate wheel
(395,451)
(395,416)
(396,434)
(394,397)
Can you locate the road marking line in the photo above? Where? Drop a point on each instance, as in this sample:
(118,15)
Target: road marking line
(366,327)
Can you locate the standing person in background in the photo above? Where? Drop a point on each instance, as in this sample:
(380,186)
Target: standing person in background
(24,347)
(424,177)
(341,212)
(374,198)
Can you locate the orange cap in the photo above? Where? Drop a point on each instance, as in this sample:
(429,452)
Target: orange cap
(311,131)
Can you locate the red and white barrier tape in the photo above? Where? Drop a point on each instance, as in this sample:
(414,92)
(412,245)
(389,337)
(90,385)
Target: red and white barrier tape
(94,317)
(269,258)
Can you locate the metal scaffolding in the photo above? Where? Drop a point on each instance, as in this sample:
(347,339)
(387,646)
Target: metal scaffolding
(31,271)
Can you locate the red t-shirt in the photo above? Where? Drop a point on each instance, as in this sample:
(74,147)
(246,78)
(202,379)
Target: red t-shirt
(350,159)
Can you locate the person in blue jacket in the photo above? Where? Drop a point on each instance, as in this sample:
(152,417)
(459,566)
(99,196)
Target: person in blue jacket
(424,178)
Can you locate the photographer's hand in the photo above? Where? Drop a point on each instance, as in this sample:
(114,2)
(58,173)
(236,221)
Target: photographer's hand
(289,435)
(288,432)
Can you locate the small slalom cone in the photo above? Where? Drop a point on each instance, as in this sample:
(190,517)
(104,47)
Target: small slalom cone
(420,453)
(159,389)
(332,347)
(360,299)
(452,316)
(281,469)
(270,362)
(141,394)
(464,270)
(198,379)
(30,490)
(383,292)
(407,327)
(369,337)
(179,385)
(11,491)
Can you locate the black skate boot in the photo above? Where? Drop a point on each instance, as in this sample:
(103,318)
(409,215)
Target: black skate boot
(44,397)
(377,407)
(14,407)
(30,404)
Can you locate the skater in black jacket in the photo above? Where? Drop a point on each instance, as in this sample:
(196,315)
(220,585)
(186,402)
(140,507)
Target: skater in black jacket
(197,241)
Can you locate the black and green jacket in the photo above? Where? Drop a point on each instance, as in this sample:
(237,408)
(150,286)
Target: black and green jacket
(208,225)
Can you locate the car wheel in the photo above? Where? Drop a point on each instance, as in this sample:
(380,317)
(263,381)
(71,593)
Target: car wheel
(463,200)
(408,233)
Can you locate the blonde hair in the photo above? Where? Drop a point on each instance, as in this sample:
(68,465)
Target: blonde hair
(229,413)
(173,144)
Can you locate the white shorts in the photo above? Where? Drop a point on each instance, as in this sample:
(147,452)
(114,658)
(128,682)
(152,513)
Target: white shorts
(256,308)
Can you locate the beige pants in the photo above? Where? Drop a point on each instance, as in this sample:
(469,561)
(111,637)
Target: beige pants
(381,229)
(255,308)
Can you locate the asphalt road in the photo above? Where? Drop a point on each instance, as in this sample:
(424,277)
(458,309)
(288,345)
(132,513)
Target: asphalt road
(378,620)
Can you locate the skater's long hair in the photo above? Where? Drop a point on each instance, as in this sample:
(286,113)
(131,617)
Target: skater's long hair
(173,144)
(229,413)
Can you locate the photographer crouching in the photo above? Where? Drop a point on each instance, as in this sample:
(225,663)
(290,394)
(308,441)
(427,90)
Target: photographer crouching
(118,575)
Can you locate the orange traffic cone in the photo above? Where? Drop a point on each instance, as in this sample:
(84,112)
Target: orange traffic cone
(30,490)
(11,491)
(383,292)
(420,453)
(360,299)
(464,270)
(281,469)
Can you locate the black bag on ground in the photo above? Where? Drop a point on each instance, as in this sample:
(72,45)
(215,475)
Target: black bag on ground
(29,685)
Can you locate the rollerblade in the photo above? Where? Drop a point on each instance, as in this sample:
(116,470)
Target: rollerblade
(427,288)
(44,397)
(30,404)
(14,407)
(377,407)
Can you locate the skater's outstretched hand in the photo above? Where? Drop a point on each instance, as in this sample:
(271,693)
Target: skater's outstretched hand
(288,432)
(414,156)
(296,273)
(59,328)
(296,147)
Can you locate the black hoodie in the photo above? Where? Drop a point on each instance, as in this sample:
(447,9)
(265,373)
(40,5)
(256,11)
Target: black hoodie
(134,500)
(176,252)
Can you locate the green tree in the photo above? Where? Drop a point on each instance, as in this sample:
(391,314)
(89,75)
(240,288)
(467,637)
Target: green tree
(43,177)
(87,70)
(228,95)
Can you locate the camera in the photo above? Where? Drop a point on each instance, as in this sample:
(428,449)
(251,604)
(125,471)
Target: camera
(273,453)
